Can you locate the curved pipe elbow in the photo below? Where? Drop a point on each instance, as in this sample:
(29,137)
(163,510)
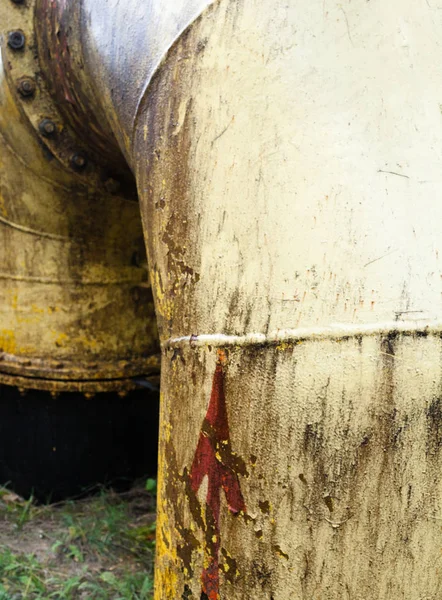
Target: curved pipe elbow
(76,311)
(291,306)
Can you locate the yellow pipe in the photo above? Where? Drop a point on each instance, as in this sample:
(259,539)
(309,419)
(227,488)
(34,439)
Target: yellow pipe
(76,309)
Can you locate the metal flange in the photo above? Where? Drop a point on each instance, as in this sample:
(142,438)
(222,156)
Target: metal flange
(23,49)
(88,388)
(64,370)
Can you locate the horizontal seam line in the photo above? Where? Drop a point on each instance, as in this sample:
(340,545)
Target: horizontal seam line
(335,331)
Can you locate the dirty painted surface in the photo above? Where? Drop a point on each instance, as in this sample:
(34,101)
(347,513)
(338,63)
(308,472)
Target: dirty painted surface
(303,191)
(123,43)
(285,157)
(197,494)
(74,94)
(341,445)
(75,299)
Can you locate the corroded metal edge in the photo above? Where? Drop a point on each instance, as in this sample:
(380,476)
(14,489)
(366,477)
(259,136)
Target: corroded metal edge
(335,331)
(120,386)
(64,370)
(70,147)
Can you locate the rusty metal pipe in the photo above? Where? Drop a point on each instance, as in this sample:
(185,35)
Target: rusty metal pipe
(285,161)
(75,299)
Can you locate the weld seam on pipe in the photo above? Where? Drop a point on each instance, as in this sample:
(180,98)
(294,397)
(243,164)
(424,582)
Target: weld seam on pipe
(43,234)
(50,236)
(335,331)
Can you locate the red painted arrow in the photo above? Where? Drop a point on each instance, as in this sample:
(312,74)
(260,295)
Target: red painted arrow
(214,458)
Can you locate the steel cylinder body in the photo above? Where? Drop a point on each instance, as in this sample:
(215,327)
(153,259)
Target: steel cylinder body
(288,162)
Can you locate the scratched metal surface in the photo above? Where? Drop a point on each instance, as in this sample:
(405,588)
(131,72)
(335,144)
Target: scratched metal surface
(335,446)
(288,164)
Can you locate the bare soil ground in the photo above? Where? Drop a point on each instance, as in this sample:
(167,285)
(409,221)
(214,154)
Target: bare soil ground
(98,548)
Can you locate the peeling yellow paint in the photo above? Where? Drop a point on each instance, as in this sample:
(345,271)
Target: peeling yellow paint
(166,581)
(37,309)
(60,338)
(7,341)
(164,304)
(3,210)
(68,286)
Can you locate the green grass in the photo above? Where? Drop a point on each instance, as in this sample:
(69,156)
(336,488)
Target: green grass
(100,548)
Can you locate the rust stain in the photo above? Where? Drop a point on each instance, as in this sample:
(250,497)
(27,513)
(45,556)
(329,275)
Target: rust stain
(61,49)
(79,120)
(214,458)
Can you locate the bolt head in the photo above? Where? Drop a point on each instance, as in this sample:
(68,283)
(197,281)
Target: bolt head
(112,185)
(26,87)
(16,40)
(47,127)
(78,161)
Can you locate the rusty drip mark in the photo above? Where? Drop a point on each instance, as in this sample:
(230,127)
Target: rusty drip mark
(214,459)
